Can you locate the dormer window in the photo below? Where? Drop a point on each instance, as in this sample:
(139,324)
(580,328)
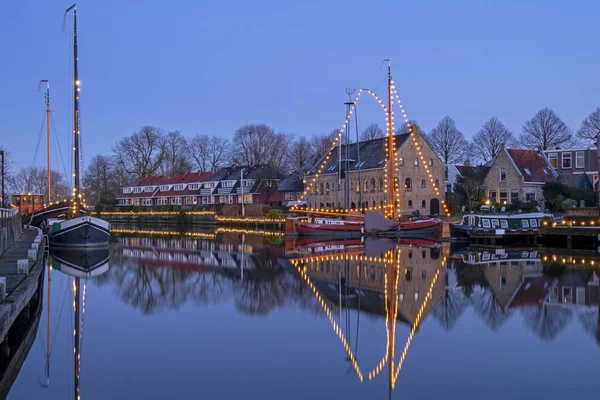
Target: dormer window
(164,188)
(527,171)
(178,187)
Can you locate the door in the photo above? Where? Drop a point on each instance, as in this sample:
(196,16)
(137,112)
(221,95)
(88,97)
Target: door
(434,206)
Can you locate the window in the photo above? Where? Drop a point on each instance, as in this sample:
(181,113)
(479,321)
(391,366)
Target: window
(502,174)
(546,171)
(407,184)
(437,183)
(514,196)
(503,196)
(492,196)
(495,223)
(485,222)
(357,186)
(178,187)
(327,188)
(566,160)
(401,161)
(579,159)
(524,223)
(380,185)
(553,158)
(423,183)
(529,197)
(408,273)
(527,171)
(423,204)
(365,185)
(533,223)
(193,186)
(410,204)
(372,184)
(448,188)
(416,162)
(322,189)
(431,162)
(503,223)
(446,173)
(567,295)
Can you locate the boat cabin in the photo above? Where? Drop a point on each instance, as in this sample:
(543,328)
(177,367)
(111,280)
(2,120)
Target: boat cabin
(27,202)
(504,221)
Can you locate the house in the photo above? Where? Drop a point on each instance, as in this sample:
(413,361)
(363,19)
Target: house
(575,161)
(291,189)
(367,177)
(27,202)
(182,189)
(518,175)
(579,181)
(141,191)
(237,183)
(451,175)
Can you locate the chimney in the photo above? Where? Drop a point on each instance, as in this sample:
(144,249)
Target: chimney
(503,146)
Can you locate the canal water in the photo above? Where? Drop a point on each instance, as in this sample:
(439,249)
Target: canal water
(241,314)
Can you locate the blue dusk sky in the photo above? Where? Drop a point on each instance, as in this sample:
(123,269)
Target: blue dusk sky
(211,66)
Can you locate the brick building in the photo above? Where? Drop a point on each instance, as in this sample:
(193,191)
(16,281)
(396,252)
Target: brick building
(518,175)
(366,176)
(575,162)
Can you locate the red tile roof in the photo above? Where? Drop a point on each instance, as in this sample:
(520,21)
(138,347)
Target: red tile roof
(540,170)
(149,181)
(187,177)
(533,291)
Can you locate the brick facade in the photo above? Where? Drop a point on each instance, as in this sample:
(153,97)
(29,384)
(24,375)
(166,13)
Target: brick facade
(416,190)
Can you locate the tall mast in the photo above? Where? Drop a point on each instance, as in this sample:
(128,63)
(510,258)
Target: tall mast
(47,99)
(392,207)
(75,113)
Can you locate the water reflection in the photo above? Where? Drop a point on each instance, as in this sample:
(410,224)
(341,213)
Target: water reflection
(400,289)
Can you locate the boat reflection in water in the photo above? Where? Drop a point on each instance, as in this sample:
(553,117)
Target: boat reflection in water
(79,263)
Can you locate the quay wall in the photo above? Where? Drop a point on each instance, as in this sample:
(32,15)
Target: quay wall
(10,228)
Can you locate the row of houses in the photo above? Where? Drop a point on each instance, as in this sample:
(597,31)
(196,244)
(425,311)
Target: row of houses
(518,175)
(230,185)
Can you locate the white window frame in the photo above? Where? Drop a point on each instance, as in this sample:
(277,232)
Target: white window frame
(577,154)
(502,171)
(531,197)
(566,156)
(553,157)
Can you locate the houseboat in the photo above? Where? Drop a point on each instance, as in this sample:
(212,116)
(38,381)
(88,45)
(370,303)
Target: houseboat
(498,224)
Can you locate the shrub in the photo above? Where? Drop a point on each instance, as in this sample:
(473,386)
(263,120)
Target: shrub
(569,203)
(275,214)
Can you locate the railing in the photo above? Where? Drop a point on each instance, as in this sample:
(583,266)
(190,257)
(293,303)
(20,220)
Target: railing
(8,212)
(206,192)
(224,191)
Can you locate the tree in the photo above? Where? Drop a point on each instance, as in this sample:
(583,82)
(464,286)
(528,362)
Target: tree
(175,160)
(372,131)
(402,128)
(35,180)
(322,142)
(101,180)
(260,144)
(590,127)
(469,186)
(489,139)
(448,142)
(300,156)
(8,175)
(546,131)
(218,148)
(141,153)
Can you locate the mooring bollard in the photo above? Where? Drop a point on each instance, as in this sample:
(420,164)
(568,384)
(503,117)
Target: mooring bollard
(37,239)
(2,287)
(32,255)
(35,246)
(23,266)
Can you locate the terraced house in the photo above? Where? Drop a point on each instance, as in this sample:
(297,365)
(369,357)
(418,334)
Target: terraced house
(366,175)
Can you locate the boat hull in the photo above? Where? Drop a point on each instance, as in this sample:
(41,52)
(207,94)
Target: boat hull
(80,232)
(460,230)
(428,226)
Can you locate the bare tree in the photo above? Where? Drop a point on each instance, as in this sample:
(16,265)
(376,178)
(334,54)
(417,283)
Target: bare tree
(260,144)
(372,131)
(322,142)
(208,153)
(8,174)
(142,153)
(489,139)
(218,147)
(546,131)
(100,180)
(35,180)
(402,128)
(175,160)
(300,156)
(590,127)
(448,142)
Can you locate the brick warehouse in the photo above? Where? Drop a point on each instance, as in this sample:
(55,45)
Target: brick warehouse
(416,191)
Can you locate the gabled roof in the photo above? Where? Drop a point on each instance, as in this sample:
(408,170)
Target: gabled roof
(149,181)
(372,155)
(479,171)
(292,183)
(233,173)
(533,291)
(533,166)
(189,177)
(579,181)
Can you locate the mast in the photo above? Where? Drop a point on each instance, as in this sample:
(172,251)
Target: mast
(392,208)
(75,114)
(76,333)
(47,100)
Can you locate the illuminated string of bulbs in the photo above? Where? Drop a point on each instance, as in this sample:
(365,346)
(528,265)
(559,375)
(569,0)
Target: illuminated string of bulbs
(413,137)
(329,314)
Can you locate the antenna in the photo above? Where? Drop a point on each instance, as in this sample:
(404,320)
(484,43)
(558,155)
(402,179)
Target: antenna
(350,90)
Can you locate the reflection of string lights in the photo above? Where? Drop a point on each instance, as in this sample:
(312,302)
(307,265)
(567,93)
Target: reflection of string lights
(154,213)
(202,235)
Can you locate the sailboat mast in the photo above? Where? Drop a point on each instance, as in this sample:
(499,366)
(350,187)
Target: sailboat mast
(75,113)
(76,356)
(391,206)
(48,198)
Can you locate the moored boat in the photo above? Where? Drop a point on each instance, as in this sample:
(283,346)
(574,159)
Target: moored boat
(498,224)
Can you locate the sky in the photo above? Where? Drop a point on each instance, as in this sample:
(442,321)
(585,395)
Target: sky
(211,66)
